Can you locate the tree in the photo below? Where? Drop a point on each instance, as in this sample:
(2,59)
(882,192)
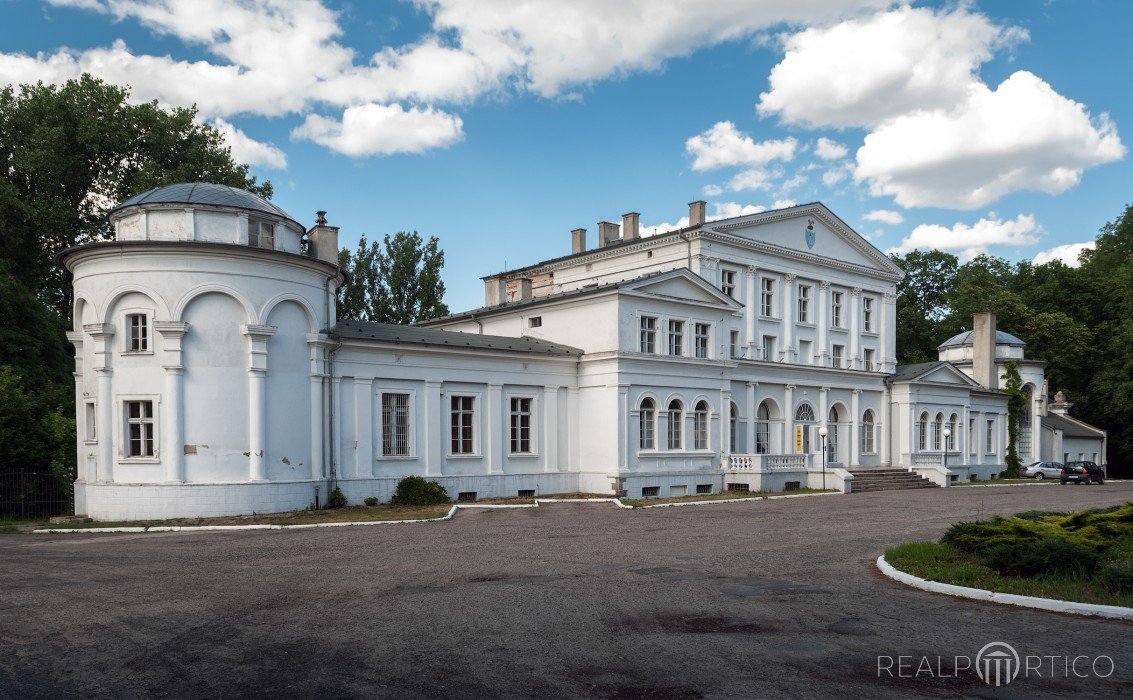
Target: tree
(398,281)
(1016,405)
(72,151)
(923,300)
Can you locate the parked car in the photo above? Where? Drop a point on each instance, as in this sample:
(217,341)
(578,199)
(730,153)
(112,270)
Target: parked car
(1081,473)
(1042,470)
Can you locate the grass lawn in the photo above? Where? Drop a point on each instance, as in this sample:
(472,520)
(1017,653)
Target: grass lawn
(719,496)
(1085,557)
(299,517)
(11,527)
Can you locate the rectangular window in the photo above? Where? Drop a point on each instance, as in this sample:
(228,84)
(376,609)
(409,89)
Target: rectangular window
(139,332)
(139,429)
(650,491)
(836,356)
(836,309)
(867,438)
(701,340)
(675,416)
(769,348)
(867,314)
(462,414)
(869,360)
(535,322)
(676,337)
(520,425)
(989,439)
(700,430)
(728,282)
(648,334)
(767,297)
(261,235)
(804,303)
(91,415)
(703,488)
(734,345)
(395,425)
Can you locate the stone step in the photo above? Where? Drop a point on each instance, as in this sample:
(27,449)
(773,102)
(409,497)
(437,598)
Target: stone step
(888,479)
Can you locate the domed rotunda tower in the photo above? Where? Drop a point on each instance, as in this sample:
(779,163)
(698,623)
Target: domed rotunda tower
(203,320)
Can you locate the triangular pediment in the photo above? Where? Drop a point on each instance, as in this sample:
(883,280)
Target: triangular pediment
(809,231)
(680,284)
(934,373)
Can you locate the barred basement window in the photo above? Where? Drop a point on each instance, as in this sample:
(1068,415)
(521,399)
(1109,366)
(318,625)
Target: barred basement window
(139,332)
(526,493)
(466,496)
(650,491)
(739,487)
(520,425)
(395,425)
(704,488)
(462,415)
(139,429)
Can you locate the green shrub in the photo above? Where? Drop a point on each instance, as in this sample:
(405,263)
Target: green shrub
(1117,576)
(1039,514)
(416,491)
(336,499)
(370,501)
(1051,556)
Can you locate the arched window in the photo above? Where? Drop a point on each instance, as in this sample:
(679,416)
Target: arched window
(950,442)
(868,423)
(937,428)
(804,414)
(675,415)
(733,422)
(648,431)
(700,426)
(832,435)
(922,432)
(763,429)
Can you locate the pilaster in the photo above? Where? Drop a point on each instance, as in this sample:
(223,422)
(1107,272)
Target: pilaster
(258,336)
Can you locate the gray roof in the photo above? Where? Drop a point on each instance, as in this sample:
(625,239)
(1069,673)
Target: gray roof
(905,373)
(207,193)
(415,335)
(965,338)
(1072,427)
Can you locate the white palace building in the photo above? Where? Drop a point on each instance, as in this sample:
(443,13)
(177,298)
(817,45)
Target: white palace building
(213,377)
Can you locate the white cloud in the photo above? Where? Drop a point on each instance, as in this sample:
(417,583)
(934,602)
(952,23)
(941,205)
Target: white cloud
(725,146)
(382,129)
(827,149)
(970,241)
(1021,136)
(728,210)
(783,203)
(875,67)
(1068,254)
(752,179)
(245,149)
(885,216)
(712,190)
(835,175)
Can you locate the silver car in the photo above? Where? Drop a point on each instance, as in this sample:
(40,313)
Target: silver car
(1042,470)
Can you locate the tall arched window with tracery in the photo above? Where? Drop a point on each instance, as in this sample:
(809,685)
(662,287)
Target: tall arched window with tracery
(950,441)
(675,415)
(647,433)
(700,426)
(937,428)
(922,432)
(868,424)
(733,423)
(804,418)
(832,435)
(763,429)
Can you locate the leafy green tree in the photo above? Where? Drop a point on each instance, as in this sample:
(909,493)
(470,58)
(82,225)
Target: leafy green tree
(397,281)
(923,301)
(72,151)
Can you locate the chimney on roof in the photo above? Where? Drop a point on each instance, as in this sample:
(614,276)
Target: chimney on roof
(696,212)
(523,285)
(322,240)
(608,233)
(984,369)
(578,241)
(495,291)
(631,226)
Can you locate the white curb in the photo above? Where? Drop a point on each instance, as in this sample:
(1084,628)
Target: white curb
(1115,612)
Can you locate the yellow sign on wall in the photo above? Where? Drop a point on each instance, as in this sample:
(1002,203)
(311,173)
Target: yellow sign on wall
(799,437)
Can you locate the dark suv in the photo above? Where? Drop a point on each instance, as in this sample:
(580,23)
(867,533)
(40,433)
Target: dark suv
(1081,473)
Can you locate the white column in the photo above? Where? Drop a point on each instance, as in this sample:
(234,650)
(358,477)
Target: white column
(173,404)
(725,413)
(258,336)
(550,429)
(752,410)
(886,354)
(317,343)
(751,310)
(433,421)
(336,425)
(572,458)
(886,421)
(363,427)
(855,418)
(623,426)
(789,304)
(855,326)
(103,336)
(963,440)
(788,431)
(977,437)
(81,427)
(823,324)
(495,434)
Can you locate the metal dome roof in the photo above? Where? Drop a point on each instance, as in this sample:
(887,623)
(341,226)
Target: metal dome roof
(965,338)
(206,193)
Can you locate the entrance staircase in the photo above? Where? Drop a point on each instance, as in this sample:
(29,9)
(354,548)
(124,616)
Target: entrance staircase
(888,479)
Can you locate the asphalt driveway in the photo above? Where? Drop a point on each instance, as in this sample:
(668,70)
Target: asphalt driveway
(765,599)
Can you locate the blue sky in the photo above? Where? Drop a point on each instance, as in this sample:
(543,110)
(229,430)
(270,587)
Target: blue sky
(965,126)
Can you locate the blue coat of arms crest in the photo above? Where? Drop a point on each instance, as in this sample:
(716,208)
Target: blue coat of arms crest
(810,233)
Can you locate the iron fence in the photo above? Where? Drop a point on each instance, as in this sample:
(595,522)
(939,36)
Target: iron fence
(26,495)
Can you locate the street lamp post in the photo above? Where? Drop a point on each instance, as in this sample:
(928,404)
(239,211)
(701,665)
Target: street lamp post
(947,434)
(822,434)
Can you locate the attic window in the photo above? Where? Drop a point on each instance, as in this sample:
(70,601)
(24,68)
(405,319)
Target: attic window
(535,322)
(261,234)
